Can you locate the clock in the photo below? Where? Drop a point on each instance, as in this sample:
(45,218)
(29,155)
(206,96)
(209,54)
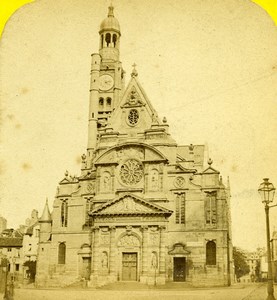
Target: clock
(106,82)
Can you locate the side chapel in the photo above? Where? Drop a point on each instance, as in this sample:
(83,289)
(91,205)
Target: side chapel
(143,208)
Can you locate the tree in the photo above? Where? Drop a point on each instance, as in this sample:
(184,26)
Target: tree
(240,263)
(31,269)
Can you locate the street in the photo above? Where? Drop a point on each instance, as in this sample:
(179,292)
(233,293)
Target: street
(253,291)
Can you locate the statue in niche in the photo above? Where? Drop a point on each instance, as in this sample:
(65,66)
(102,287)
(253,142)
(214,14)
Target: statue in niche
(104,260)
(154,180)
(106,182)
(154,260)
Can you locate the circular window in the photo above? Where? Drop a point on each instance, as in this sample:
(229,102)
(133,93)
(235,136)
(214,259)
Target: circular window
(131,172)
(133,117)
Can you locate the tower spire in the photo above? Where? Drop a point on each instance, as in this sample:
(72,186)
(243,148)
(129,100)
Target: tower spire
(110,13)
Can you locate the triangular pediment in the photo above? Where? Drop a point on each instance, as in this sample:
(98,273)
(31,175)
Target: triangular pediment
(134,113)
(180,249)
(129,205)
(210,170)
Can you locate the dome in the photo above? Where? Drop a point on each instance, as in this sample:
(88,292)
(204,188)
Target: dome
(110,23)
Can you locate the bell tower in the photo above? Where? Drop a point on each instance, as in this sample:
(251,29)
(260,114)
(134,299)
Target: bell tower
(107,79)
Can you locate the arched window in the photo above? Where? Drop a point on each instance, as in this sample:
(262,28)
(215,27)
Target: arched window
(102,40)
(61,257)
(108,39)
(64,213)
(211,253)
(180,209)
(114,39)
(109,102)
(101,102)
(210,209)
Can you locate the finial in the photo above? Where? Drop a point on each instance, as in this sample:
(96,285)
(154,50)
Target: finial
(164,120)
(46,200)
(210,162)
(110,13)
(191,147)
(66,173)
(134,72)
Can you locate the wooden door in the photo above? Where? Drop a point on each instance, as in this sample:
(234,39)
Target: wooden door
(86,267)
(129,266)
(179,269)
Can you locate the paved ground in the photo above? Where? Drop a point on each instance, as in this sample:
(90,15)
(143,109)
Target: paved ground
(253,291)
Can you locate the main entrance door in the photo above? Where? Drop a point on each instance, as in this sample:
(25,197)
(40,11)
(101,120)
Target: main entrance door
(129,266)
(179,269)
(86,267)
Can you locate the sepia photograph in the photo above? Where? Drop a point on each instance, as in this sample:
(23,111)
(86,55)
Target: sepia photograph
(138,150)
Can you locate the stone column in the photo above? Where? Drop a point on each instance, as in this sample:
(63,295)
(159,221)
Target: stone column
(144,250)
(95,251)
(162,250)
(112,251)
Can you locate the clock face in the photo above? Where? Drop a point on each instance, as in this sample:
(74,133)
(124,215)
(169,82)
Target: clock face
(106,82)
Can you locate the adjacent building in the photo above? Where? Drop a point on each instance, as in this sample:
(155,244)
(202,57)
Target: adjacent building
(3,224)
(143,208)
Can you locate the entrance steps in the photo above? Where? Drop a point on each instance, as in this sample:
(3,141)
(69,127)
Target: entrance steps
(135,285)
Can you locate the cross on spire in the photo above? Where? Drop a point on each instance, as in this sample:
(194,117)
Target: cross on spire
(134,72)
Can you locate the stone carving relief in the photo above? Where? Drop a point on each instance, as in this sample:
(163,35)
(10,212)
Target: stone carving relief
(133,98)
(91,187)
(129,241)
(105,239)
(130,152)
(154,239)
(179,182)
(127,204)
(154,180)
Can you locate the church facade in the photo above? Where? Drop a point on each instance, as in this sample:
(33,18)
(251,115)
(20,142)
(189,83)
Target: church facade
(143,208)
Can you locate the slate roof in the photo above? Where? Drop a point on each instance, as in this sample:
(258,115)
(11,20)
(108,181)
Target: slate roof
(10,242)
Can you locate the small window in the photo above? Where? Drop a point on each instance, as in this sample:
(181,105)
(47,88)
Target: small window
(61,257)
(108,39)
(109,102)
(114,39)
(101,102)
(64,213)
(16,267)
(211,253)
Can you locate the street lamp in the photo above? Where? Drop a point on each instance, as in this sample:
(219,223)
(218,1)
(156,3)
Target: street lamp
(267,190)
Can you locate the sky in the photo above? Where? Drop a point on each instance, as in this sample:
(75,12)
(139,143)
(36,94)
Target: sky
(209,66)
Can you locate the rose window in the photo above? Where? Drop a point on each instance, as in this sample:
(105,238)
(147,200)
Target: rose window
(131,172)
(133,117)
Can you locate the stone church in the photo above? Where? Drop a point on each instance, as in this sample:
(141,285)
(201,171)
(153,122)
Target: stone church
(143,208)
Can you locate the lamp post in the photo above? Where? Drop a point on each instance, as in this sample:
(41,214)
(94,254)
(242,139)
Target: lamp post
(266,191)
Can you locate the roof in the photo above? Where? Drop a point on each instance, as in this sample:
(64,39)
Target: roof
(110,23)
(30,229)
(46,216)
(11,242)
